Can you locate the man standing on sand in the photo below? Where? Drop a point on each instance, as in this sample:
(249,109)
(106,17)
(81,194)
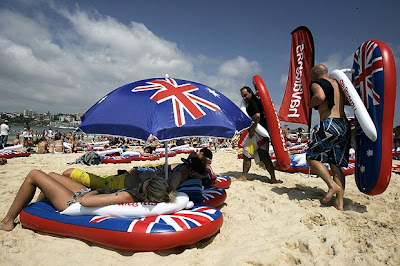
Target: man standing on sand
(4,129)
(331,143)
(255,111)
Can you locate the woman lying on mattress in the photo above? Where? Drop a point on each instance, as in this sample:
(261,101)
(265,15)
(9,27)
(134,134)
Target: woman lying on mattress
(62,191)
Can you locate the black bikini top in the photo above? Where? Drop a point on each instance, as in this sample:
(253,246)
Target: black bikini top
(328,90)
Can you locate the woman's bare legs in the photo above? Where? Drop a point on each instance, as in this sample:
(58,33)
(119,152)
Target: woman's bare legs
(56,192)
(68,172)
(64,180)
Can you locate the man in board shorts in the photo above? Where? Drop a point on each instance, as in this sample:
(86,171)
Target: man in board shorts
(331,141)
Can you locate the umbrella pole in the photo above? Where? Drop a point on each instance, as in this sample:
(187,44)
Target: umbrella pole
(166,160)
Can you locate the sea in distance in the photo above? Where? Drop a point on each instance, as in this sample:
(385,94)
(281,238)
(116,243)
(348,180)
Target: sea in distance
(19,128)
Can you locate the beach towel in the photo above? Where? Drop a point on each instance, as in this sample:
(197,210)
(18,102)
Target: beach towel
(193,189)
(89,158)
(252,145)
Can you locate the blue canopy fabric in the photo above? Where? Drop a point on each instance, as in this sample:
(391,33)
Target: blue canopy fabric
(166,108)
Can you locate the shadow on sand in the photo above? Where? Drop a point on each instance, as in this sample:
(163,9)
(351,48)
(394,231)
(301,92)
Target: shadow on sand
(301,192)
(250,177)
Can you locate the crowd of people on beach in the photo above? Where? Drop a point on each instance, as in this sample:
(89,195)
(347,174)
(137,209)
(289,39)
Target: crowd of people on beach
(329,143)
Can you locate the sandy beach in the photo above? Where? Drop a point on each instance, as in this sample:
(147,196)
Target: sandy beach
(264,224)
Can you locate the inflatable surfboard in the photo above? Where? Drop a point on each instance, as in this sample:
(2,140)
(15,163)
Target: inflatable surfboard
(110,151)
(274,125)
(259,128)
(361,113)
(374,78)
(242,139)
(10,148)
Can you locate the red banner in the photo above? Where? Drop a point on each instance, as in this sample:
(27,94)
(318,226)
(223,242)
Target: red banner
(294,106)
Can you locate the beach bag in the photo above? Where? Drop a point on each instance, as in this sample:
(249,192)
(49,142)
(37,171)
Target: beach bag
(89,158)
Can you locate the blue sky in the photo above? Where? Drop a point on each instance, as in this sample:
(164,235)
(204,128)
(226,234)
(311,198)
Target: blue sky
(63,56)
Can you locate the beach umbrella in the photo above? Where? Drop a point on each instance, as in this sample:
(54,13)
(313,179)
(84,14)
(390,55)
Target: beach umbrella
(166,108)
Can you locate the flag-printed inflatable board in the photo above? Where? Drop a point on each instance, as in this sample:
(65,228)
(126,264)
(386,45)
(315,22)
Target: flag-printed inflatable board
(135,234)
(374,78)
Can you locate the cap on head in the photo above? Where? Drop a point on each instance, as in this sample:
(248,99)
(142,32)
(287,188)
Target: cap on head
(207,153)
(196,164)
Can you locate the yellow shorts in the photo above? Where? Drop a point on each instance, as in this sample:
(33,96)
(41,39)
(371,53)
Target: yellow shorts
(96,182)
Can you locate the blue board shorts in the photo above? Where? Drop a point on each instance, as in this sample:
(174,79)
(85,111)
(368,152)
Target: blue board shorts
(331,143)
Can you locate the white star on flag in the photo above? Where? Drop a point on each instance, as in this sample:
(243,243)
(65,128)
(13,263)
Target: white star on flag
(370,153)
(362,169)
(213,92)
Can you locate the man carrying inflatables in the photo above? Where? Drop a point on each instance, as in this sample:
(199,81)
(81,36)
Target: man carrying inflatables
(260,145)
(331,143)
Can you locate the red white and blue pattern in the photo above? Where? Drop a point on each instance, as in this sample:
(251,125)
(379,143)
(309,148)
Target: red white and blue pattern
(166,108)
(151,233)
(181,97)
(117,159)
(374,78)
(367,64)
(179,221)
(214,196)
(223,181)
(12,154)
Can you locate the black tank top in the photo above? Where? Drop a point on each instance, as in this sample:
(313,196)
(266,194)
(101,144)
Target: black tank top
(328,90)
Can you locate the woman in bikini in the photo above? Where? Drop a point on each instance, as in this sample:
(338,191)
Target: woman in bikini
(58,146)
(62,191)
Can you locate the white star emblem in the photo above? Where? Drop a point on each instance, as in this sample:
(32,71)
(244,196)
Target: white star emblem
(213,92)
(362,169)
(370,153)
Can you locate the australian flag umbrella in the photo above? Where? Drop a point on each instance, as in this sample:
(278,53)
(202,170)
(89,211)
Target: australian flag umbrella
(166,108)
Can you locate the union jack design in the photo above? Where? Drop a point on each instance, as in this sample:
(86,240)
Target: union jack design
(212,193)
(98,219)
(181,97)
(179,221)
(223,178)
(367,62)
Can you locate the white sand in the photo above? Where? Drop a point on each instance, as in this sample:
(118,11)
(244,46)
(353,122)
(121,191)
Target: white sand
(263,223)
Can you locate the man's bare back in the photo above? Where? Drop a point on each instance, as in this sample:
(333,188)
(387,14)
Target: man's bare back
(337,110)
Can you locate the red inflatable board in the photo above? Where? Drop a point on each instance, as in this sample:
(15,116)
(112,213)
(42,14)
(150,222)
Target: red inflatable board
(274,125)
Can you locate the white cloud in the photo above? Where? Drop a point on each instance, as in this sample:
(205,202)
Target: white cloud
(338,61)
(239,66)
(68,63)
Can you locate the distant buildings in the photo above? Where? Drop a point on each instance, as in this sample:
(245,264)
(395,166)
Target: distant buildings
(45,119)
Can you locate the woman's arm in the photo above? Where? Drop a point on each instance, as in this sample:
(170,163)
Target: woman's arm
(93,199)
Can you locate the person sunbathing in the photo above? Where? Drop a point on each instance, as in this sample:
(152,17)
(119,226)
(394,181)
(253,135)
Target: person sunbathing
(62,192)
(192,168)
